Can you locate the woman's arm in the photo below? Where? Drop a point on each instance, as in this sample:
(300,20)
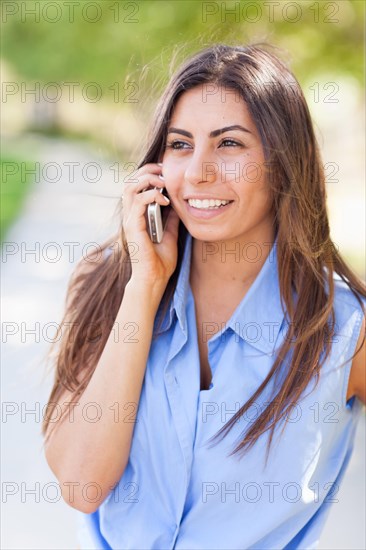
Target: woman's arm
(81,452)
(357,379)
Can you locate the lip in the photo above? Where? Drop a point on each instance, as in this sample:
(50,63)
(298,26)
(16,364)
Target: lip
(206,213)
(207,197)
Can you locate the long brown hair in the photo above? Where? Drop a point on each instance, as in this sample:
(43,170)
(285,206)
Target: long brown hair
(307,257)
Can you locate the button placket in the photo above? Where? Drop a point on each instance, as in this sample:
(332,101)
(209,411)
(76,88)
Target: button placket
(176,400)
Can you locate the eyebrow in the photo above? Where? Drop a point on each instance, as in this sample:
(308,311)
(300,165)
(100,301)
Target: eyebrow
(212,134)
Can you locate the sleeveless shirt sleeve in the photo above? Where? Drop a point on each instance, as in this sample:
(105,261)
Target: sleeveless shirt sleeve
(354,326)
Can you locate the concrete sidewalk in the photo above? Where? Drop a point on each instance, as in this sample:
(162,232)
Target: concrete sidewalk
(33,292)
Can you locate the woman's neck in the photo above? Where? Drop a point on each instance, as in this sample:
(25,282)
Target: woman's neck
(238,262)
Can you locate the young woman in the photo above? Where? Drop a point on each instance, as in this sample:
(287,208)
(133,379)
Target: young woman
(208,393)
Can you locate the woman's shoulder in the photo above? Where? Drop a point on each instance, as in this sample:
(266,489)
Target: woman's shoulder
(108,250)
(88,262)
(112,247)
(349,313)
(345,297)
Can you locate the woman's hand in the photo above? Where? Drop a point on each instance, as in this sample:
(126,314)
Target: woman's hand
(150,262)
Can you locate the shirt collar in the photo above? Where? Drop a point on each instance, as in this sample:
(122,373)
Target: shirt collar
(259,316)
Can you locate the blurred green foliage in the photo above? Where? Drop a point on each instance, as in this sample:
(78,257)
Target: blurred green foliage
(105,41)
(15,182)
(129,48)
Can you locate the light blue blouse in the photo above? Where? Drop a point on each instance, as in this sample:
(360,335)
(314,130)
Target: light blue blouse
(176,492)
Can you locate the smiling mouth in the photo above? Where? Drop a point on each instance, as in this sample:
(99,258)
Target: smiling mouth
(208,204)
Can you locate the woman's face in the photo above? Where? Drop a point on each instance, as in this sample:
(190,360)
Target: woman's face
(205,159)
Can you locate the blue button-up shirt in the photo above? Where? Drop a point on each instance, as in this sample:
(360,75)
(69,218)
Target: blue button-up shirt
(179,492)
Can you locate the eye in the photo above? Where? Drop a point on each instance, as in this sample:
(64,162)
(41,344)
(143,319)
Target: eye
(230,142)
(177,144)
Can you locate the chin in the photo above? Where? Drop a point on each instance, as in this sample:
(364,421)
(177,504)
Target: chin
(209,235)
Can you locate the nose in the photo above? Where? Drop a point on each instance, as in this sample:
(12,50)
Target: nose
(201,168)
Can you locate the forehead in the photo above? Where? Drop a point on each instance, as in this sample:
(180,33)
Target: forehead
(210,100)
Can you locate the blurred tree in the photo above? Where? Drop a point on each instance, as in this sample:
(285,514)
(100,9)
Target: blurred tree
(103,41)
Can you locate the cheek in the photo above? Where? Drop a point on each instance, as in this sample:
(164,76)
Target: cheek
(253,174)
(253,170)
(254,191)
(172,177)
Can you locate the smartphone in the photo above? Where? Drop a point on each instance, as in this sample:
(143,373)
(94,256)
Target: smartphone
(156,219)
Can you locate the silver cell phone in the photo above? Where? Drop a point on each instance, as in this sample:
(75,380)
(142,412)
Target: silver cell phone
(155,219)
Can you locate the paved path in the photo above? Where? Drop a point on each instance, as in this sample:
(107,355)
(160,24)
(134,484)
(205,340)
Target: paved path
(33,292)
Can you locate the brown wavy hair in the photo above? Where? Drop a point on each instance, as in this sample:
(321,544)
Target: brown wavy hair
(307,257)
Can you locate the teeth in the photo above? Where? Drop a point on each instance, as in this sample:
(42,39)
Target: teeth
(206,203)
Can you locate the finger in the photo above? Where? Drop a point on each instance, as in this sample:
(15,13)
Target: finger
(144,183)
(150,168)
(148,197)
(150,182)
(128,195)
(136,213)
